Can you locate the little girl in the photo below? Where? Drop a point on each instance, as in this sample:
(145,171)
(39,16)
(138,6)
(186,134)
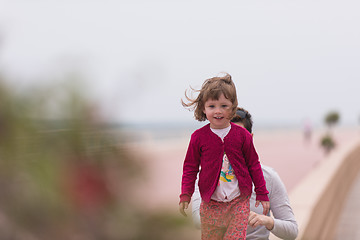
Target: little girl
(228,164)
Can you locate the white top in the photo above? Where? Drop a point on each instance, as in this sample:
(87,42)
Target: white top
(221,132)
(228,186)
(285,226)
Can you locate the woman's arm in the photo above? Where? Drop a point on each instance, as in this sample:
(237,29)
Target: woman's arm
(256,220)
(285,225)
(254,167)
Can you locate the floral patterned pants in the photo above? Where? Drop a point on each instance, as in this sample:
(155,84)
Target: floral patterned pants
(224,220)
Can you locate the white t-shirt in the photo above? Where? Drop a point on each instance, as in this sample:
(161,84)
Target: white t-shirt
(228,186)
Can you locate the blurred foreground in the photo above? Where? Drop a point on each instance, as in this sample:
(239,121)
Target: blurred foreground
(65,175)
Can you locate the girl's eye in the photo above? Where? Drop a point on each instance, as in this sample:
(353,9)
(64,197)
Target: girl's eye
(224,106)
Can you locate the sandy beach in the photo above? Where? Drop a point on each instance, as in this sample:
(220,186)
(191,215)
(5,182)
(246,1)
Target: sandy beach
(284,150)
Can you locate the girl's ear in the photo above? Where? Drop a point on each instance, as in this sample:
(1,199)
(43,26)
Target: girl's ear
(252,134)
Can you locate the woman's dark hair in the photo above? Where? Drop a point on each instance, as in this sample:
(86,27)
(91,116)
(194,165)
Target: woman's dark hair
(244,117)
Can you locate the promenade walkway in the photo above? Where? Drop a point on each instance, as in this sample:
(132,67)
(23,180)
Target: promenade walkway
(349,221)
(324,202)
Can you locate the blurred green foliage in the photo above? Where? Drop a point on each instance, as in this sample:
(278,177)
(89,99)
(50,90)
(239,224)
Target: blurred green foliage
(328,143)
(64,175)
(332,118)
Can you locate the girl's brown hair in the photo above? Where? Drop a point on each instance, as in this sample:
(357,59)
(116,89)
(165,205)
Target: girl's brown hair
(212,88)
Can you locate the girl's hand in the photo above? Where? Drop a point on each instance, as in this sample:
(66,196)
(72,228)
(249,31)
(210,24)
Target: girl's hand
(260,220)
(265,204)
(182,206)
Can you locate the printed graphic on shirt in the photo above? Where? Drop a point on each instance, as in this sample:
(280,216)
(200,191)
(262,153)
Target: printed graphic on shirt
(227,172)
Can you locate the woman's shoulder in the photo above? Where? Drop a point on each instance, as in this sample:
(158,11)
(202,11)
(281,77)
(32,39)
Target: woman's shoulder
(273,180)
(269,172)
(268,169)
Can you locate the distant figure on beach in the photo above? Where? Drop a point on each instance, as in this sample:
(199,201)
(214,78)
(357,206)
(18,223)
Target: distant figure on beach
(226,149)
(283,225)
(307,131)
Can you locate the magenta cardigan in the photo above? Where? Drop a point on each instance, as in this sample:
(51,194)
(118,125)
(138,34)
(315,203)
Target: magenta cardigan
(206,150)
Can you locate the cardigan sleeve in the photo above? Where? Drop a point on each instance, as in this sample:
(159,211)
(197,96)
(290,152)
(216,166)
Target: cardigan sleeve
(190,169)
(253,164)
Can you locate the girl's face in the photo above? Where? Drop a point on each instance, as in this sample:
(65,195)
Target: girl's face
(218,112)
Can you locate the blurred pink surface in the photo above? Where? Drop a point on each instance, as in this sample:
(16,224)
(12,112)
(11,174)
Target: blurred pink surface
(284,150)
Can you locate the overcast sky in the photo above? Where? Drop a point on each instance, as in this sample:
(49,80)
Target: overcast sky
(290,60)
